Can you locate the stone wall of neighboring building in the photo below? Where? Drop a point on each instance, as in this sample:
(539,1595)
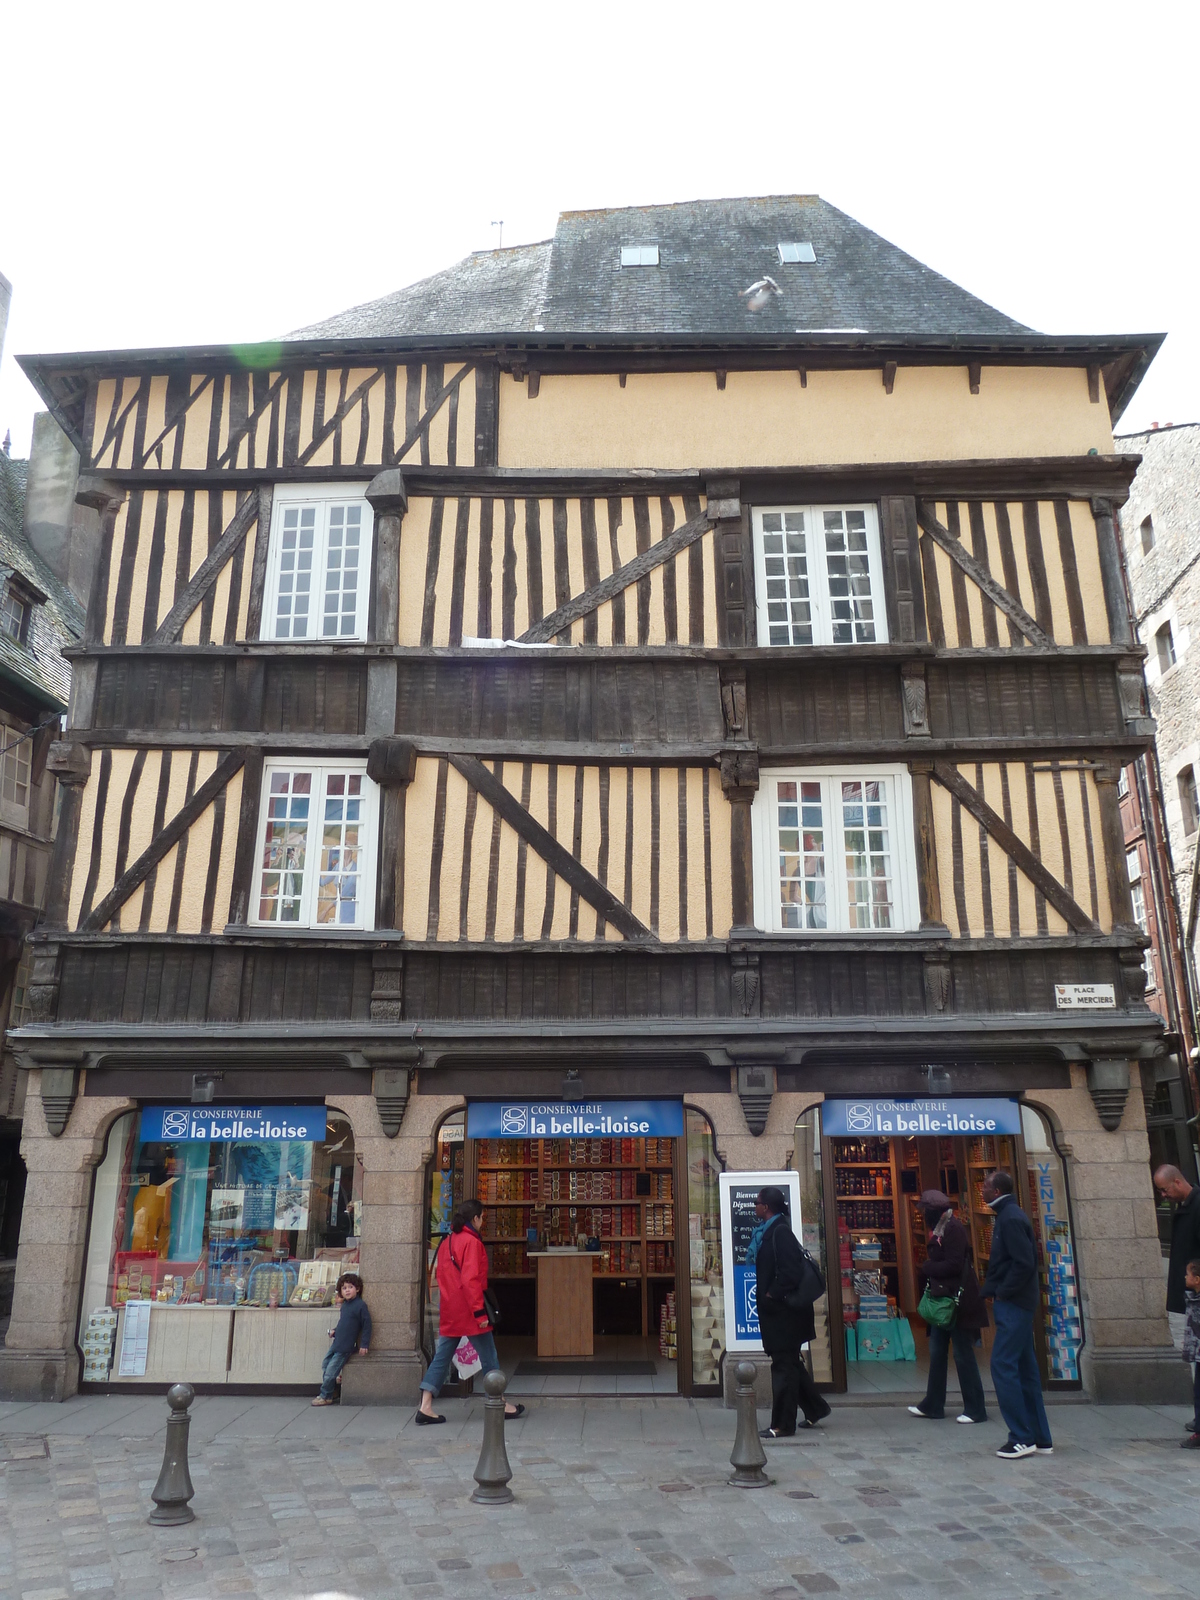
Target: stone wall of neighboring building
(1160,530)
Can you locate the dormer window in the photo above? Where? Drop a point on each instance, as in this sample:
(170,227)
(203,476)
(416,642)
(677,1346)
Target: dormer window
(800,251)
(639,255)
(16,607)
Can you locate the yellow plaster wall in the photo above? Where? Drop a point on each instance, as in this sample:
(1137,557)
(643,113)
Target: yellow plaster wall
(761,419)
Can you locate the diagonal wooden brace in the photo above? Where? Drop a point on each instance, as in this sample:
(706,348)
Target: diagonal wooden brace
(1067,907)
(554,854)
(979,574)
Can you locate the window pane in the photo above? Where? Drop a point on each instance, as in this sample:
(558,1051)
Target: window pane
(296,543)
(285,847)
(341,843)
(785,563)
(847,565)
(801,846)
(14,767)
(867,843)
(341,571)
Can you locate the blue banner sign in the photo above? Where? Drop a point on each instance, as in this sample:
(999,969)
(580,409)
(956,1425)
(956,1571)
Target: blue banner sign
(574,1119)
(847,1119)
(232,1124)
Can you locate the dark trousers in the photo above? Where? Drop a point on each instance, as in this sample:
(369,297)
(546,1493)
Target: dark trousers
(791,1387)
(969,1381)
(1196,1399)
(1015,1375)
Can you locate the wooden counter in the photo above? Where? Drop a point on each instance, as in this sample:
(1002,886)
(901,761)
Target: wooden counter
(564,1303)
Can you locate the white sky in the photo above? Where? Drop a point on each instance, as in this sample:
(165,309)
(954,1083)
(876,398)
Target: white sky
(182,174)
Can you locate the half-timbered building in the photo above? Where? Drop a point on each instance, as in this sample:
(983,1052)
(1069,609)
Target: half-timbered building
(682,664)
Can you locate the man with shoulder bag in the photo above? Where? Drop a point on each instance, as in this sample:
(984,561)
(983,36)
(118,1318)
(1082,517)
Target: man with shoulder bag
(788,1281)
(1011,1284)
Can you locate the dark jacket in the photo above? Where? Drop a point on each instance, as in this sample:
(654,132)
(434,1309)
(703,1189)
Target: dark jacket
(778,1270)
(1012,1266)
(353,1331)
(1185,1247)
(949,1269)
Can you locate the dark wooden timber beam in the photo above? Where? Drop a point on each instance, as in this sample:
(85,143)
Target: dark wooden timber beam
(665,550)
(555,855)
(208,572)
(163,843)
(979,574)
(1071,912)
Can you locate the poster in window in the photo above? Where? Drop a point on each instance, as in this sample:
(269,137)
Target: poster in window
(739,1193)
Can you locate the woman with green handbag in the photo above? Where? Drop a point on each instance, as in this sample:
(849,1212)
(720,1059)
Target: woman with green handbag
(954,1310)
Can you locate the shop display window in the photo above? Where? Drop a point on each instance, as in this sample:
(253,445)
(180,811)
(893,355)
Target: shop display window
(446,1192)
(704,1247)
(255,1222)
(1047,1205)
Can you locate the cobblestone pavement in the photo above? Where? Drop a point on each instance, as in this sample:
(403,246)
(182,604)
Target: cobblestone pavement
(613,1498)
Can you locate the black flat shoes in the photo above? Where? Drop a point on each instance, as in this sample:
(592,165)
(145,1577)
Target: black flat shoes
(427,1422)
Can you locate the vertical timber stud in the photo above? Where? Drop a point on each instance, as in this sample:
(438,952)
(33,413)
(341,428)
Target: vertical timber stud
(1112,834)
(739,780)
(98,494)
(1112,576)
(929,888)
(71,765)
(392,764)
(734,562)
(388,499)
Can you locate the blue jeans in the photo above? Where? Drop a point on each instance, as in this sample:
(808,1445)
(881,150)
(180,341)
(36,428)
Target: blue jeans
(330,1367)
(969,1381)
(1015,1376)
(439,1368)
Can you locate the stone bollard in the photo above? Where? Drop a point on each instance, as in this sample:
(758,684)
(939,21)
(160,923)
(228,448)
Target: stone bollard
(492,1471)
(174,1487)
(748,1458)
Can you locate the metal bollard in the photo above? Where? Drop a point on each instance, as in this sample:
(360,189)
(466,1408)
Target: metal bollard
(492,1471)
(174,1487)
(748,1458)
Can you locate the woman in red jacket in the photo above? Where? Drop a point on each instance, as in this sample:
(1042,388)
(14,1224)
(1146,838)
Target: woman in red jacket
(462,1275)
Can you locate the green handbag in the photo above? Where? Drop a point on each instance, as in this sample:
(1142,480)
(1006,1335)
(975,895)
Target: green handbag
(939,1311)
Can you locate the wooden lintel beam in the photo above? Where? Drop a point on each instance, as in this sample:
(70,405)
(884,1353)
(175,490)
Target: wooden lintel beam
(1067,907)
(555,855)
(163,842)
(207,572)
(979,574)
(616,583)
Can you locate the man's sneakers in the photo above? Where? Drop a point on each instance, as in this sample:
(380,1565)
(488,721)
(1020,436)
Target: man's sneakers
(1044,1449)
(1192,1443)
(1014,1450)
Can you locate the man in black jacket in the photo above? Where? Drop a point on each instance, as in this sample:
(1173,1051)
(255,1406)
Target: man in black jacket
(1185,1230)
(778,1264)
(1012,1285)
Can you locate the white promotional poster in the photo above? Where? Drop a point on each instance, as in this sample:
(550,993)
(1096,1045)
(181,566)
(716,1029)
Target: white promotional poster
(739,1191)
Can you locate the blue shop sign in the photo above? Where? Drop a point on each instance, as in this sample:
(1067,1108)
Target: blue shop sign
(233,1124)
(574,1119)
(899,1119)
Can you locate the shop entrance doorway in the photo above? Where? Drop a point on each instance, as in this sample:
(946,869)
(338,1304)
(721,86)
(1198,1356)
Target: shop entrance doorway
(585,1239)
(871,1187)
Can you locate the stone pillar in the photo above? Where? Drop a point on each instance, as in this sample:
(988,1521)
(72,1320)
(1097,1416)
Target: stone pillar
(39,1360)
(1128,1356)
(743,1151)
(393,1244)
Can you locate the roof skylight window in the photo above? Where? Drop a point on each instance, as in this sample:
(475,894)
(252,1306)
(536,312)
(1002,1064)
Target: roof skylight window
(639,255)
(797,252)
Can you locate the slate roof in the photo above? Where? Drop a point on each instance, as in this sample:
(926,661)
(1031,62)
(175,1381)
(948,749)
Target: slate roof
(709,252)
(58,622)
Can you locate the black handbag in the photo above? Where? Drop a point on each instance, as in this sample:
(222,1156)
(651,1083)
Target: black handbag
(492,1306)
(810,1288)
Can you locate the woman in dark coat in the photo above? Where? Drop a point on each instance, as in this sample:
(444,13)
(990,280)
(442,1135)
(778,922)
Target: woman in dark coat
(946,1270)
(777,1259)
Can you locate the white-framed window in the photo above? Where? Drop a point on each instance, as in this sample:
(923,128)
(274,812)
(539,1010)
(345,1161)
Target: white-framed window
(15,774)
(1122,783)
(14,616)
(1133,867)
(819,575)
(320,563)
(639,255)
(318,835)
(834,851)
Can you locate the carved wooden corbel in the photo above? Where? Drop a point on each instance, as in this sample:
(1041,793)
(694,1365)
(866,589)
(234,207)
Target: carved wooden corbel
(915,698)
(938,984)
(387,985)
(744,983)
(756,1089)
(1131,688)
(733,700)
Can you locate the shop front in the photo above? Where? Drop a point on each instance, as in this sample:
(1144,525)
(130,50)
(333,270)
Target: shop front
(216,1240)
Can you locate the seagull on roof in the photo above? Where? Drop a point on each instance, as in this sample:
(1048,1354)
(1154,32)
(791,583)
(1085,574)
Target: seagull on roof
(759,294)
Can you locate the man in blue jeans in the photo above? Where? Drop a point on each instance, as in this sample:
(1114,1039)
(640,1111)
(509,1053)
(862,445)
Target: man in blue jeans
(1012,1286)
